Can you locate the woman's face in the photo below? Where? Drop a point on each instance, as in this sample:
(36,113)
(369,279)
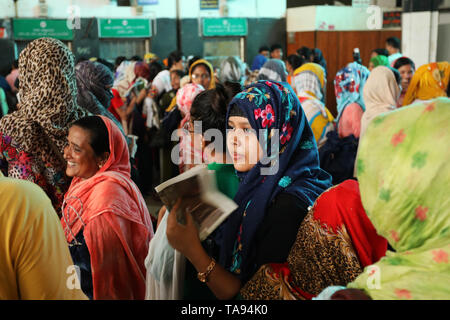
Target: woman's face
(81,159)
(200,75)
(406,73)
(175,80)
(371,66)
(196,136)
(243,144)
(289,67)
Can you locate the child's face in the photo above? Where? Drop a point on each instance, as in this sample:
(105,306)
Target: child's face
(243,144)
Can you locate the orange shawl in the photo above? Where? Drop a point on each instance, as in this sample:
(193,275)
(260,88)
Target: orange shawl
(117,225)
(429,81)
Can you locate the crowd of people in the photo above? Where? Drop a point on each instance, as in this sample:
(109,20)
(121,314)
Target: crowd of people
(357,207)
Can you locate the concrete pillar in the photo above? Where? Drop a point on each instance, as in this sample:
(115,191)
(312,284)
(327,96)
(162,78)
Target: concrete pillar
(420,21)
(419,39)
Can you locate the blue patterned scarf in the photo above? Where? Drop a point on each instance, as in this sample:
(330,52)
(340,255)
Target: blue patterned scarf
(270,105)
(348,86)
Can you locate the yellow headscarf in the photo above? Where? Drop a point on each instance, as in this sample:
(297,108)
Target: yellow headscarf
(313,67)
(150,56)
(212,84)
(319,117)
(430,81)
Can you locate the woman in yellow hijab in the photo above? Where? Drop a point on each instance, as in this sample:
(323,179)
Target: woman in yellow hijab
(430,81)
(202,72)
(310,83)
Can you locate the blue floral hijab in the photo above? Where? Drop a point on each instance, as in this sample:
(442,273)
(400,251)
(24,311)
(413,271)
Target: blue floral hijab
(348,86)
(270,105)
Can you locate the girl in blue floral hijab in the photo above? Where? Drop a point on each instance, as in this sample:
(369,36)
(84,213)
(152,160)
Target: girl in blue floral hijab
(280,178)
(290,164)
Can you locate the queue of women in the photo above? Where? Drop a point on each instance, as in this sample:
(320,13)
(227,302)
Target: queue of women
(370,221)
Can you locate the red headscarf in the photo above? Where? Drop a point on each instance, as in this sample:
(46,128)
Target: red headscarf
(116,102)
(142,69)
(116,222)
(343,207)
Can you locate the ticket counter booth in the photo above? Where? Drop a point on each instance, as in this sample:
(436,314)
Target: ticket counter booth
(223,37)
(124,37)
(26,30)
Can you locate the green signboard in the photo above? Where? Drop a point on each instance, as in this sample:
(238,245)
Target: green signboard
(213,27)
(29,29)
(124,28)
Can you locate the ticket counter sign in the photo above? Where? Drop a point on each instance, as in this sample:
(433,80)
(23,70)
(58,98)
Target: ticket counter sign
(30,29)
(216,27)
(124,28)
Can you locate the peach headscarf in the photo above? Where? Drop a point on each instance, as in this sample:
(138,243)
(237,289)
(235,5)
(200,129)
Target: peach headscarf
(380,94)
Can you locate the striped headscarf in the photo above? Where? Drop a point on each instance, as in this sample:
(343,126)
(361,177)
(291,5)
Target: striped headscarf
(231,69)
(273,69)
(310,81)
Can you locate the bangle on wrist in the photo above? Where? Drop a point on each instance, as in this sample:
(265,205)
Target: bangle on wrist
(203,276)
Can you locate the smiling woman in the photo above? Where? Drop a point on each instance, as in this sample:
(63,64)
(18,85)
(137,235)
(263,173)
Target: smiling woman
(87,149)
(105,218)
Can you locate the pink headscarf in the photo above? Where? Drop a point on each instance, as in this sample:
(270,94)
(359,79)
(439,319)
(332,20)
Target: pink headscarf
(185,97)
(350,121)
(190,154)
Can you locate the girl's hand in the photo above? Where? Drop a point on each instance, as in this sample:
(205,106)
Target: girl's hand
(183,238)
